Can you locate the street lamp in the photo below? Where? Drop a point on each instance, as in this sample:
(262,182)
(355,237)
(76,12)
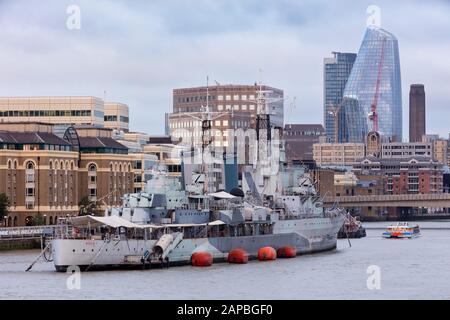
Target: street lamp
(45,219)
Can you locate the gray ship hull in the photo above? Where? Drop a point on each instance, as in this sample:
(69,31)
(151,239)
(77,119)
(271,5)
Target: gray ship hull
(307,235)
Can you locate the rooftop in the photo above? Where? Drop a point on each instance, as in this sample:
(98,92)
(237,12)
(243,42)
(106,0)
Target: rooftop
(12,137)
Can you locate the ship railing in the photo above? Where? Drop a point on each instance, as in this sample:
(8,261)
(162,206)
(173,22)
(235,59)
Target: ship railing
(299,216)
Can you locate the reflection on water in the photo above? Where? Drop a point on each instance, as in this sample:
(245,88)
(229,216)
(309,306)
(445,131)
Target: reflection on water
(414,269)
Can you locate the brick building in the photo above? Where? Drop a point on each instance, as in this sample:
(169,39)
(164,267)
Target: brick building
(45,176)
(416,175)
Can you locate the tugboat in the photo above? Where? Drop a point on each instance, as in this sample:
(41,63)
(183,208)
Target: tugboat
(402,230)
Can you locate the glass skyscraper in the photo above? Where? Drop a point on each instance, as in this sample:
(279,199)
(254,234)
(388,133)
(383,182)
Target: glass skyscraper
(336,72)
(375,80)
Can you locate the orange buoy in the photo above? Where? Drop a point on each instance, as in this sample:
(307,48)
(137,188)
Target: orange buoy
(287,252)
(267,254)
(239,256)
(201,259)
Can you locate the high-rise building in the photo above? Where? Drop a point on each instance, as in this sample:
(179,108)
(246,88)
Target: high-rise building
(335,75)
(372,97)
(416,112)
(233,107)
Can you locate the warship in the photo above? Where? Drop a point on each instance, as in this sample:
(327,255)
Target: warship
(172,220)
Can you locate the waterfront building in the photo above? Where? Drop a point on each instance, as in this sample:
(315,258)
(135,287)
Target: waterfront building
(38,173)
(105,166)
(64,111)
(351,184)
(299,140)
(339,183)
(336,72)
(337,154)
(415,175)
(117,116)
(232,107)
(417,113)
(439,146)
(375,79)
(45,176)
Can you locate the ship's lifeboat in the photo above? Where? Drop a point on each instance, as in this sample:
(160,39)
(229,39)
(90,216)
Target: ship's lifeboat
(239,256)
(267,254)
(287,252)
(202,259)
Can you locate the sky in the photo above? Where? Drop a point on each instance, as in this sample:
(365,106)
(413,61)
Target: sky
(139,51)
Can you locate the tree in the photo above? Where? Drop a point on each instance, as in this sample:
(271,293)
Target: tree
(4,206)
(88,207)
(38,220)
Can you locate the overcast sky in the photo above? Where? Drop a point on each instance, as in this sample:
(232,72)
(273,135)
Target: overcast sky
(138,51)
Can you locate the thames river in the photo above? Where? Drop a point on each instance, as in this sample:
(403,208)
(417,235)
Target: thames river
(405,269)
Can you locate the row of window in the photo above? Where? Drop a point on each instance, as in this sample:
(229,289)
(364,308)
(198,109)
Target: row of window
(46,113)
(236,97)
(217,123)
(114,119)
(34,147)
(236,107)
(302,133)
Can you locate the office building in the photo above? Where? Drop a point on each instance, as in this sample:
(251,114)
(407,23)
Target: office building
(63,112)
(232,107)
(374,83)
(336,72)
(117,116)
(299,140)
(337,154)
(406,150)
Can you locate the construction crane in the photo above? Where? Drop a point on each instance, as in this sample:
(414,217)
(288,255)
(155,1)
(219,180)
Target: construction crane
(373,115)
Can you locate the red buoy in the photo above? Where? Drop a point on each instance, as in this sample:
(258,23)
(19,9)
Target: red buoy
(239,256)
(201,259)
(267,254)
(287,252)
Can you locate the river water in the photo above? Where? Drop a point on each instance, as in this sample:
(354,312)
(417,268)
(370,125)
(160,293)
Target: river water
(408,269)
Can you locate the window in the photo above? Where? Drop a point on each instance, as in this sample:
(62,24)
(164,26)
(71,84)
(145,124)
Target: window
(228,98)
(92,178)
(220,98)
(236,107)
(217,123)
(236,97)
(244,107)
(220,107)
